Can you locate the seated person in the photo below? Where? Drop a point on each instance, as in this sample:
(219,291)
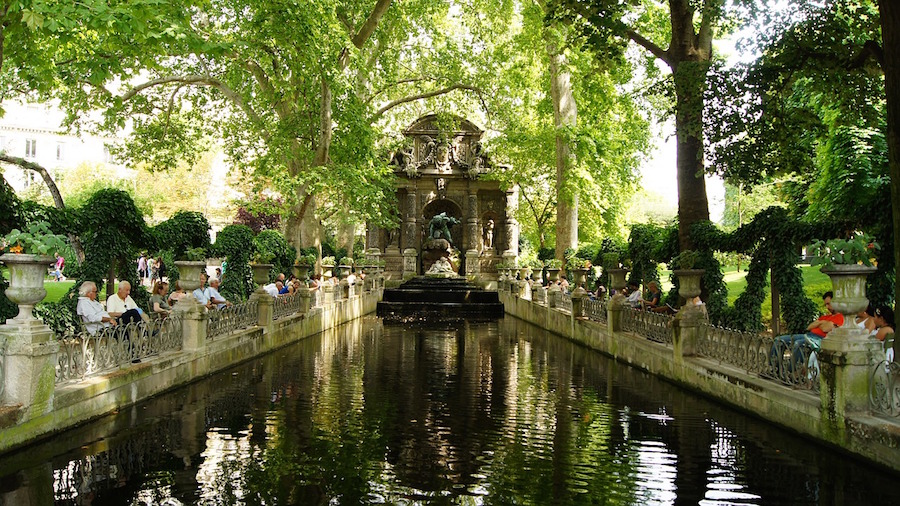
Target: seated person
(158,305)
(654,296)
(884,326)
(815,332)
(121,306)
(91,312)
(177,294)
(214,296)
(634,294)
(202,293)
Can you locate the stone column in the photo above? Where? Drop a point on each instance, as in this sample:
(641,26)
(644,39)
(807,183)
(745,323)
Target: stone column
(614,309)
(687,331)
(473,236)
(327,294)
(194,323)
(305,299)
(846,359)
(29,374)
(410,251)
(266,308)
(511,246)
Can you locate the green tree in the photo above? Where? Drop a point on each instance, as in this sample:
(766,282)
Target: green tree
(679,34)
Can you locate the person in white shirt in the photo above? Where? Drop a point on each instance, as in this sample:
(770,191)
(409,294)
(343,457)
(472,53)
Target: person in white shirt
(214,296)
(634,294)
(351,279)
(202,293)
(273,288)
(121,306)
(91,312)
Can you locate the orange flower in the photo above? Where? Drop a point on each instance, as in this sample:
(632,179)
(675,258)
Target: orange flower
(16,249)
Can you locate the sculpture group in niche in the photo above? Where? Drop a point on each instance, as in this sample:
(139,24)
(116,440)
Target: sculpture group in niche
(439,227)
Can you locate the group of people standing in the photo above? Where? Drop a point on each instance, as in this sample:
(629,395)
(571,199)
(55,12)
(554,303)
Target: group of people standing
(150,269)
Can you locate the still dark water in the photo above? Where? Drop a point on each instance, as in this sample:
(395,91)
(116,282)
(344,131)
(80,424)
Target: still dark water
(477,413)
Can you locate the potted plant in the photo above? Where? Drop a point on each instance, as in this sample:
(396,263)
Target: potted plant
(553,267)
(327,265)
(537,268)
(28,257)
(613,266)
(848,262)
(190,265)
(303,264)
(688,277)
(261,265)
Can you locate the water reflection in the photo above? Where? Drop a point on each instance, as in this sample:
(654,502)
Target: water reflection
(473,413)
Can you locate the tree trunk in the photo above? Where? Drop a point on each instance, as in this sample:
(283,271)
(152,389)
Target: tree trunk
(692,202)
(890,36)
(565,115)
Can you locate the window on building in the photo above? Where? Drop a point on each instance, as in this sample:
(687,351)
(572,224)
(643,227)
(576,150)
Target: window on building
(107,156)
(60,150)
(30,148)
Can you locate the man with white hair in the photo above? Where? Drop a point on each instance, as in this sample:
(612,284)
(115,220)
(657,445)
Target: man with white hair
(121,306)
(273,288)
(214,296)
(91,312)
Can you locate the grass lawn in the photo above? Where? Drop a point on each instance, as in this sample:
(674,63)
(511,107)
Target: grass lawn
(56,290)
(814,284)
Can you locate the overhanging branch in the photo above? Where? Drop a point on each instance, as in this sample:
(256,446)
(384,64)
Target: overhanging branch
(421,96)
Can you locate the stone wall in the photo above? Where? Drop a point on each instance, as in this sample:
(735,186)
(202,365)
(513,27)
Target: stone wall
(77,402)
(808,412)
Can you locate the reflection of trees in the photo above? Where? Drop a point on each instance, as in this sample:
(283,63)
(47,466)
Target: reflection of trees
(401,414)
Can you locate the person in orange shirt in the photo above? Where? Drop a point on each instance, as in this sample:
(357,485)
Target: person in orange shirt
(815,332)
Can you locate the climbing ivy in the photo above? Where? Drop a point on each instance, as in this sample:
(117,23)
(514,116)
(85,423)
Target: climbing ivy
(283,254)
(113,232)
(183,231)
(9,219)
(235,243)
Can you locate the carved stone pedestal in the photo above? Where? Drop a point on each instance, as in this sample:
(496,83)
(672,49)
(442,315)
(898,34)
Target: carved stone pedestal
(30,366)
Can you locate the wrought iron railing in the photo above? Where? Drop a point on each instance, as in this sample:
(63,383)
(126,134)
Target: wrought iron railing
(82,354)
(286,305)
(229,319)
(792,362)
(595,310)
(656,327)
(884,384)
(884,388)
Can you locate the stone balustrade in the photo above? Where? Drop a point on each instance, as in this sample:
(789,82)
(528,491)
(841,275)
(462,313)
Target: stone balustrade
(49,383)
(845,394)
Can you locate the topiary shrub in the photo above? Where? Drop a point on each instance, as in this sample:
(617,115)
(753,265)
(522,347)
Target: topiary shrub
(183,231)
(236,244)
(283,254)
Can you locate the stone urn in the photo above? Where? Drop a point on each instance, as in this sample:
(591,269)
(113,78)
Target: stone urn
(26,282)
(302,272)
(189,273)
(261,273)
(553,274)
(344,271)
(689,282)
(327,270)
(580,276)
(849,284)
(617,279)
(525,273)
